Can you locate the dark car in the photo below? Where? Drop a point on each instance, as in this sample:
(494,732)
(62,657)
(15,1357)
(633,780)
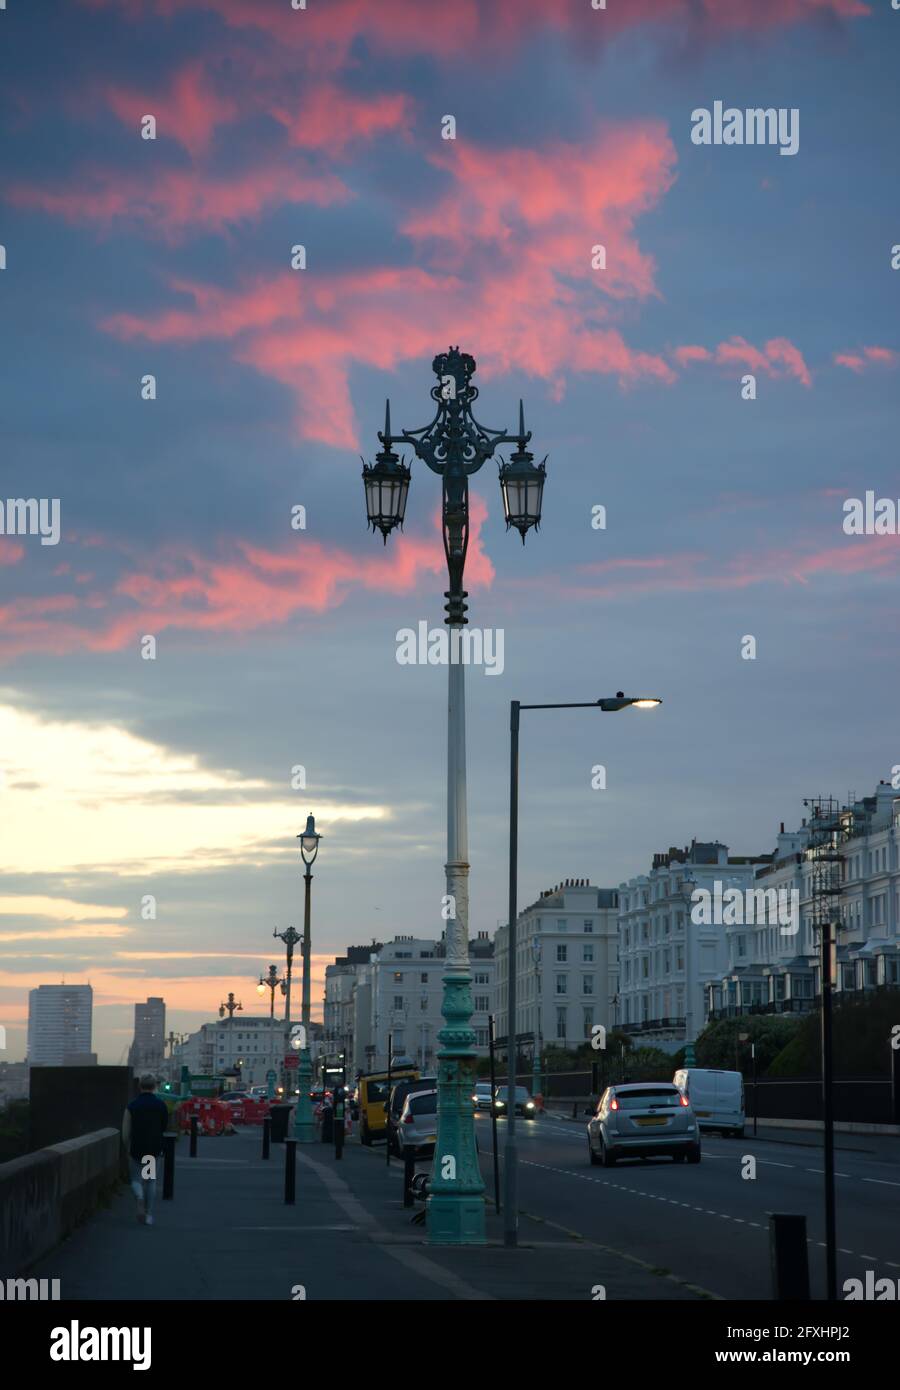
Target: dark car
(399,1093)
(524,1103)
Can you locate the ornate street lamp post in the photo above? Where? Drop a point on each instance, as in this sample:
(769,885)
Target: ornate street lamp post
(290,939)
(271,982)
(454,445)
(304,1127)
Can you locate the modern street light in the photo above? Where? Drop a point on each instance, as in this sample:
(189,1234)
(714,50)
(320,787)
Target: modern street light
(510,1166)
(454,445)
(304,1127)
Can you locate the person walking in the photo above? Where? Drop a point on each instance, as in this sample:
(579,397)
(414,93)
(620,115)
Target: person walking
(144,1123)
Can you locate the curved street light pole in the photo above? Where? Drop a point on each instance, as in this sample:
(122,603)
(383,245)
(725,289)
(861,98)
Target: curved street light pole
(454,445)
(510,1162)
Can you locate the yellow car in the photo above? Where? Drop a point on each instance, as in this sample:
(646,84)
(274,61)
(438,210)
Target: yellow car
(373,1097)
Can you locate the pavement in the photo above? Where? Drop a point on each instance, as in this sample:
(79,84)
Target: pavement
(228,1234)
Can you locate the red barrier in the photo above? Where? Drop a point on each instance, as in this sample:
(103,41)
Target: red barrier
(212,1115)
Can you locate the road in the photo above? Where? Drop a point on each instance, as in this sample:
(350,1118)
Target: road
(706,1223)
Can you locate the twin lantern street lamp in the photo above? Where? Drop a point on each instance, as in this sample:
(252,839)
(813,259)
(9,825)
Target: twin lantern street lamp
(304,1127)
(454,445)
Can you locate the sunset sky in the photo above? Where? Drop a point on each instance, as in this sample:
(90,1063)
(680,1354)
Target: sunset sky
(122,777)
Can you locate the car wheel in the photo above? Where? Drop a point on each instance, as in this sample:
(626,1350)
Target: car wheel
(738,1133)
(364,1136)
(694,1155)
(595,1158)
(606,1157)
(679,1157)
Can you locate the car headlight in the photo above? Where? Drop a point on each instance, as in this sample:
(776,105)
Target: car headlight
(529,1105)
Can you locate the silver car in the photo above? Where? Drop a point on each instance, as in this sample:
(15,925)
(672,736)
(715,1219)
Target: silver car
(642,1119)
(417,1129)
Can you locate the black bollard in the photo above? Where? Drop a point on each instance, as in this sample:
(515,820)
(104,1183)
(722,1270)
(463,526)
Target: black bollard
(267,1136)
(169,1169)
(290,1171)
(193,1136)
(789,1254)
(409,1172)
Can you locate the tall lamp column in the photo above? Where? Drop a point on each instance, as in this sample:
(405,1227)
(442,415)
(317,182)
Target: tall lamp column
(304,1127)
(454,446)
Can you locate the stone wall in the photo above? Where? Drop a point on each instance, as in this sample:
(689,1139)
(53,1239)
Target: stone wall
(45,1195)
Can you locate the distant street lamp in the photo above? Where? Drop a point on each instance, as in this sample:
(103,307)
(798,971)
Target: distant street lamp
(454,445)
(270,982)
(304,1126)
(609,705)
(290,939)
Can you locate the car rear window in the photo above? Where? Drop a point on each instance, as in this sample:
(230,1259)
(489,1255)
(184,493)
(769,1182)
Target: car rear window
(651,1095)
(423,1104)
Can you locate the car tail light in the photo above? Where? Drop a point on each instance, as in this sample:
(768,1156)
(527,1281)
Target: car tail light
(613,1104)
(408,1119)
(685,1101)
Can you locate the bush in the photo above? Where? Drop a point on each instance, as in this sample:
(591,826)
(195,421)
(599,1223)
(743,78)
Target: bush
(863,1028)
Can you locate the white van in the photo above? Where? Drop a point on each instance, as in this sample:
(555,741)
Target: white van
(716,1098)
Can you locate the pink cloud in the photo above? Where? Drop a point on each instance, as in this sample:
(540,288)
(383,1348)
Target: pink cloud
(513,262)
(174,201)
(684,356)
(331,119)
(480,27)
(188,110)
(777,357)
(253,587)
(693,571)
(858,361)
(10,552)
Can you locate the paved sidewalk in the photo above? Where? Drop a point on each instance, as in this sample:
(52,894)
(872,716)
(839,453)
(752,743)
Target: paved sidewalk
(228,1235)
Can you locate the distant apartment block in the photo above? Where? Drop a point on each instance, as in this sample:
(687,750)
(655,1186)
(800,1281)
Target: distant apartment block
(148,1048)
(59,1025)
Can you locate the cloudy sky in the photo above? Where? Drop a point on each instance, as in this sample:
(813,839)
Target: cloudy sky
(125,257)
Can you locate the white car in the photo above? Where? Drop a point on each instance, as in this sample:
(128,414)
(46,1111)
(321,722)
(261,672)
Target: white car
(481,1096)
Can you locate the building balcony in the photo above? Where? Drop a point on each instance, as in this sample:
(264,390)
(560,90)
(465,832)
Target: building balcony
(777,1006)
(653,1025)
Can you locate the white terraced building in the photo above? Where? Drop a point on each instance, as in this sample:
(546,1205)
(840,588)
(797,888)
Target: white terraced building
(566,966)
(405,990)
(666,961)
(772,971)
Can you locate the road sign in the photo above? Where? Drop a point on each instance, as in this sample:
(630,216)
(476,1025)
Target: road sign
(291,1060)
